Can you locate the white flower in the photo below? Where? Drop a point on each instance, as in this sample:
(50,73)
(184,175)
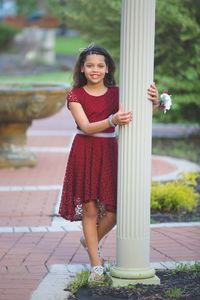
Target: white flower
(165,101)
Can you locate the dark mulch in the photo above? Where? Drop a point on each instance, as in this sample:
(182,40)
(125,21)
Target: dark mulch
(182,285)
(193,216)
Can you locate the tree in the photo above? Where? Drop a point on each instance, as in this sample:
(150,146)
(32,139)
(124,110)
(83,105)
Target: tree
(98,22)
(27,7)
(177,39)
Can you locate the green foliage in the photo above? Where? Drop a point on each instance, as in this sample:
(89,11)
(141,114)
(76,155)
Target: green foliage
(80,280)
(175,196)
(69,45)
(43,77)
(184,267)
(185,101)
(174,293)
(99,23)
(177,25)
(7,33)
(177,45)
(187,148)
(177,57)
(27,7)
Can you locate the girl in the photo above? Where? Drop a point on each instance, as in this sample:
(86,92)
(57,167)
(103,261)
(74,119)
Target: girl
(90,184)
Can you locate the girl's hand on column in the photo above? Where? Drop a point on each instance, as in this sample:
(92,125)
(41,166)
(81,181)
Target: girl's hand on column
(121,117)
(153,94)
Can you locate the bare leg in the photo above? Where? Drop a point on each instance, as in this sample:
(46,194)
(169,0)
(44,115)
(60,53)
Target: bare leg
(89,222)
(106,224)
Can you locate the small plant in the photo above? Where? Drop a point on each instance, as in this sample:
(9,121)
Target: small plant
(190,178)
(187,268)
(80,280)
(174,293)
(182,267)
(175,196)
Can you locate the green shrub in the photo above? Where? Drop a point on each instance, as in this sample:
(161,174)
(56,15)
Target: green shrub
(175,196)
(185,101)
(7,33)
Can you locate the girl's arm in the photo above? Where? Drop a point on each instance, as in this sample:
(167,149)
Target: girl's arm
(120,118)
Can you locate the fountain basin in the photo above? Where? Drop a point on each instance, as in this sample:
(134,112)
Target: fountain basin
(20,104)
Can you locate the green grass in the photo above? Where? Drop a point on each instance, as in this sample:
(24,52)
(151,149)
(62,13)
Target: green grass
(187,148)
(64,45)
(174,293)
(185,267)
(70,45)
(65,77)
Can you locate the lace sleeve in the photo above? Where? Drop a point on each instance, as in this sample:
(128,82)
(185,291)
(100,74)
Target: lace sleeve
(72,97)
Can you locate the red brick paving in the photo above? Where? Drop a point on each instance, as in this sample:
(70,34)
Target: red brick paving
(48,141)
(162,167)
(60,121)
(25,257)
(50,169)
(32,208)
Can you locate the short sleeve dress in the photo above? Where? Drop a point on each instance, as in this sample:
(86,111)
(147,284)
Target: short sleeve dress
(91,172)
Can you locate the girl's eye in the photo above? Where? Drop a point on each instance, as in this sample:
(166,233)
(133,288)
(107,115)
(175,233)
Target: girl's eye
(99,66)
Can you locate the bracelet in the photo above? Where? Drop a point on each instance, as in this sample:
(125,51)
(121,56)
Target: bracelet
(110,121)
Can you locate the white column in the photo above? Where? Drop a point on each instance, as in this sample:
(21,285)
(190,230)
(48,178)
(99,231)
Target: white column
(134,170)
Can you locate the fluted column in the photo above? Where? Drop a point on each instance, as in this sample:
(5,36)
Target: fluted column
(134,170)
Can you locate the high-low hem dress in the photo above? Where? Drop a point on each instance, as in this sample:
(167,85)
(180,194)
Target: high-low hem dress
(91,173)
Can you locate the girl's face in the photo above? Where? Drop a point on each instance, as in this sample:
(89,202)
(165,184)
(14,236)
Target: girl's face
(94,68)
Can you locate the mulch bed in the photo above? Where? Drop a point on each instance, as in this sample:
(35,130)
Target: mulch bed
(174,285)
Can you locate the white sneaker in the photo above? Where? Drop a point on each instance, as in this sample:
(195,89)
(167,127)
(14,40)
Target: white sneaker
(96,274)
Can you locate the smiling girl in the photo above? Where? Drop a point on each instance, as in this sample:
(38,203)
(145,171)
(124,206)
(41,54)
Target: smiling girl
(90,183)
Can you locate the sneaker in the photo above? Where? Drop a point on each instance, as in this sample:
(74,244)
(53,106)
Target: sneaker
(96,274)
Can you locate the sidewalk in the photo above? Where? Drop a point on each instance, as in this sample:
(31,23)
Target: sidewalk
(33,238)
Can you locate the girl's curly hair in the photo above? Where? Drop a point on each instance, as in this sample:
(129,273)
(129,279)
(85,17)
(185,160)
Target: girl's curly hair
(79,78)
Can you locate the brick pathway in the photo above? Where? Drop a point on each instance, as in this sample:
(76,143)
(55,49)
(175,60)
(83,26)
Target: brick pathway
(30,197)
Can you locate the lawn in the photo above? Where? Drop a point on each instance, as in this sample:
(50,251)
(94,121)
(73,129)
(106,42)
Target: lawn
(70,45)
(64,46)
(186,148)
(65,77)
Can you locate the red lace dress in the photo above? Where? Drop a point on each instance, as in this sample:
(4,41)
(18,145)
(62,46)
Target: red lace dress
(91,172)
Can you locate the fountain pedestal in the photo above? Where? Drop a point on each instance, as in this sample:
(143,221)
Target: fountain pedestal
(19,106)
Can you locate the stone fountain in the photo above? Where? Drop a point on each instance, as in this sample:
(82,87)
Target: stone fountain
(19,106)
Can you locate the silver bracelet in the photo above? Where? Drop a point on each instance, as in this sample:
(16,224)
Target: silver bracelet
(110,121)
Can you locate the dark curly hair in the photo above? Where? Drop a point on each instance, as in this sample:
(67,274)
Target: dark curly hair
(79,78)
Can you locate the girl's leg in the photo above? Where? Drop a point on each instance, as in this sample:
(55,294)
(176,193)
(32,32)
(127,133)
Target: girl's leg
(89,222)
(106,224)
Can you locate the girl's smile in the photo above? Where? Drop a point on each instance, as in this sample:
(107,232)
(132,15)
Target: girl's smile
(94,68)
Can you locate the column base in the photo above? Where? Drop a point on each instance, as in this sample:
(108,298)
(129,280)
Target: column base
(116,282)
(132,273)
